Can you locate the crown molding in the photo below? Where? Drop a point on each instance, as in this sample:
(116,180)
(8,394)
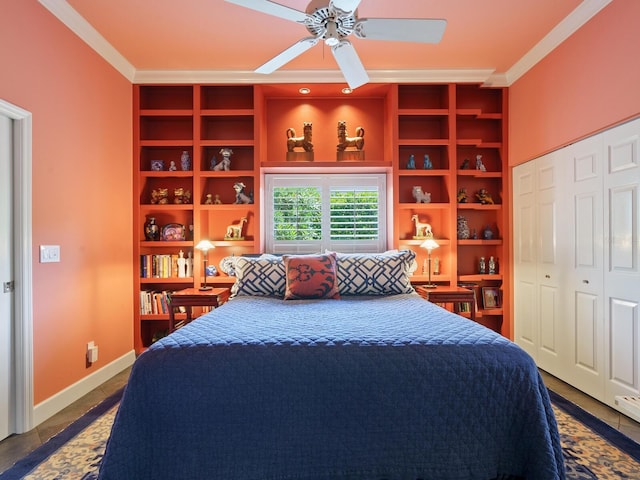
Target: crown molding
(309,76)
(83,29)
(70,17)
(567,27)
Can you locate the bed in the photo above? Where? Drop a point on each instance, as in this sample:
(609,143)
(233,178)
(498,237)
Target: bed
(345,386)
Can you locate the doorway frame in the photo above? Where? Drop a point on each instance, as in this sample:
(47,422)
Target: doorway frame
(23,265)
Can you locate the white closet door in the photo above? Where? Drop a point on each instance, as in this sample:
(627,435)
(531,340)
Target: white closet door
(551,237)
(525,258)
(622,249)
(583,303)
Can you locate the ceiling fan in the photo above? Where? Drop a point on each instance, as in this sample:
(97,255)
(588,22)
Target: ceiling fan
(336,20)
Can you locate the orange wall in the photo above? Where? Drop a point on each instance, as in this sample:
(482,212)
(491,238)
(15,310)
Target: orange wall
(587,84)
(82,144)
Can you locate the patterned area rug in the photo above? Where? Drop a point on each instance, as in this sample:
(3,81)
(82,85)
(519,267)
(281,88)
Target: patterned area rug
(592,449)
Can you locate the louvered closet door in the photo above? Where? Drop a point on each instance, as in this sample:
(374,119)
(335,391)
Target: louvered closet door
(583,301)
(622,252)
(525,258)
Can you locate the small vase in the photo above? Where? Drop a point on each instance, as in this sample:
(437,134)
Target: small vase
(185,161)
(463,228)
(151,229)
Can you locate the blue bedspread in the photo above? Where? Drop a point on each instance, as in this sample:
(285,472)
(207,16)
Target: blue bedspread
(358,388)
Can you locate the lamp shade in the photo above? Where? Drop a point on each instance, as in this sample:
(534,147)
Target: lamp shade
(429,244)
(205,245)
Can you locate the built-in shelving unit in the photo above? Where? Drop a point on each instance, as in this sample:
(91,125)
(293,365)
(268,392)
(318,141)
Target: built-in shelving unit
(448,123)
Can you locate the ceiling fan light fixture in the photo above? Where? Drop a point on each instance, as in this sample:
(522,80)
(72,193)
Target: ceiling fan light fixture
(331,37)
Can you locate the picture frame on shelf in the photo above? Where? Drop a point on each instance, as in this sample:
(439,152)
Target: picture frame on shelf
(491,297)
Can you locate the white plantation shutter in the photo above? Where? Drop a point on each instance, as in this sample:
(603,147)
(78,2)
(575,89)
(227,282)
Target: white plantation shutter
(309,213)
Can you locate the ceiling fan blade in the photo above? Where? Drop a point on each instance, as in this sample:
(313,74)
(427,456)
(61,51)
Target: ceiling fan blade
(346,6)
(350,64)
(286,56)
(420,30)
(272,8)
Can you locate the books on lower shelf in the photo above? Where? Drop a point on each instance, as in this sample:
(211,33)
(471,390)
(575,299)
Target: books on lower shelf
(156,302)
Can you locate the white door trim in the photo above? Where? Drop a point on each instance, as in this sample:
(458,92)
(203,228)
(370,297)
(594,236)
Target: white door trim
(22,241)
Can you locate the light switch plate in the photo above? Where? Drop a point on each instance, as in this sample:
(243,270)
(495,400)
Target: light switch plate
(49,253)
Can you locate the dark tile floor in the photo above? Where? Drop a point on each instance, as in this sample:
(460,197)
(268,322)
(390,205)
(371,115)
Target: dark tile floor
(17,446)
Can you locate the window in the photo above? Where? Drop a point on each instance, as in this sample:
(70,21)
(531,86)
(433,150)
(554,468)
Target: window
(308,213)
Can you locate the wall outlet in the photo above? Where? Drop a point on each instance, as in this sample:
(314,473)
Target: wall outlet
(92,352)
(49,253)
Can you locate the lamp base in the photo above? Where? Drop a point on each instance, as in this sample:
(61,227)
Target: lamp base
(206,287)
(430,285)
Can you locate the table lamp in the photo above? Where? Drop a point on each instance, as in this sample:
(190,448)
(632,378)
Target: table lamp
(205,246)
(429,244)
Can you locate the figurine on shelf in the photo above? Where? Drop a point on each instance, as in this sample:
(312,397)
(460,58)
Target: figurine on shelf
(423,229)
(465,164)
(160,196)
(187,197)
(212,163)
(185,161)
(225,163)
(209,199)
(492,266)
(462,195)
(182,265)
(487,233)
(178,196)
(234,231)
(242,197)
(216,200)
(420,196)
(189,264)
(304,141)
(344,141)
(436,266)
(484,197)
(411,164)
(482,266)
(479,165)
(426,163)
(151,229)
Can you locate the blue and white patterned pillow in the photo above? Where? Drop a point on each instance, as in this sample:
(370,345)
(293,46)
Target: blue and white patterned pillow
(375,273)
(261,276)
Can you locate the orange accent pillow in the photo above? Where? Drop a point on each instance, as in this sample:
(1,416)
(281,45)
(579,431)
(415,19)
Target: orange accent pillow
(311,276)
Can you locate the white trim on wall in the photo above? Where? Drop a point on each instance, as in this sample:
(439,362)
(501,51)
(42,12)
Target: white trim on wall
(66,397)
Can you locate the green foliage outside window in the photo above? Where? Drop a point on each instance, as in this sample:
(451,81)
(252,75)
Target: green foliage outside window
(298,214)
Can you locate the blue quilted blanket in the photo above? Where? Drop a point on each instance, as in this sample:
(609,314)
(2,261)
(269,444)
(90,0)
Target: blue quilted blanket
(359,388)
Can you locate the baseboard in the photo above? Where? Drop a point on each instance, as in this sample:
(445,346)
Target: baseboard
(66,397)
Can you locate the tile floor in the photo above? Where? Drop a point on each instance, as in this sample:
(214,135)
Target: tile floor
(17,446)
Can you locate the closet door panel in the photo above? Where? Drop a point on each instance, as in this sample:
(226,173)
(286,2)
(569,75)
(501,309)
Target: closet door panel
(524,223)
(585,305)
(624,339)
(622,249)
(587,355)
